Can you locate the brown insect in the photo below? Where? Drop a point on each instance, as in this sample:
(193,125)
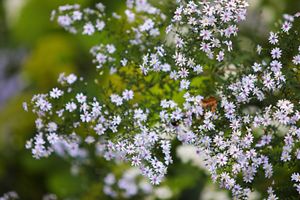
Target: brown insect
(210,102)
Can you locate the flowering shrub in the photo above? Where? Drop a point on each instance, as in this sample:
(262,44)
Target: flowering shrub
(179,78)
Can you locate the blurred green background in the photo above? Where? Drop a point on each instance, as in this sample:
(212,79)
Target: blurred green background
(33,51)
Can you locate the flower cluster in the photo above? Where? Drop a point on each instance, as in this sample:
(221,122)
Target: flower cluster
(213,23)
(196,28)
(68,16)
(10,196)
(143,22)
(103,122)
(129,185)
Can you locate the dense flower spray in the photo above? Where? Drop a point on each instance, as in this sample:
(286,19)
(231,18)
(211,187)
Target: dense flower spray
(246,124)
